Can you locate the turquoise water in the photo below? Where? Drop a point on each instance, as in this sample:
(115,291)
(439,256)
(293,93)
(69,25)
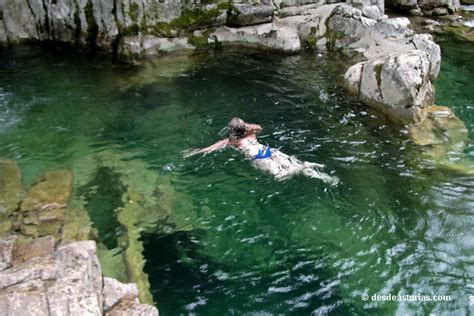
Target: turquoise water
(398,223)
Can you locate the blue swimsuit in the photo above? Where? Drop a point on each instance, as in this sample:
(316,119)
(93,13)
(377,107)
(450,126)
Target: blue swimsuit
(263,153)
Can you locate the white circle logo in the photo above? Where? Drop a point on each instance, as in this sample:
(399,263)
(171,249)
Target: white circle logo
(364,297)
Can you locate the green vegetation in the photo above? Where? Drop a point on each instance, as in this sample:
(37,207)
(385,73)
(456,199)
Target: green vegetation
(161,29)
(196,18)
(133,13)
(312,38)
(200,41)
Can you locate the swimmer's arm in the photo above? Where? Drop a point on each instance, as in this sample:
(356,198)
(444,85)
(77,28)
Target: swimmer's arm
(219,145)
(254,128)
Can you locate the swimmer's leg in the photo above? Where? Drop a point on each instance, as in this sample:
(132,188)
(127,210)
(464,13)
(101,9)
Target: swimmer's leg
(308,164)
(309,172)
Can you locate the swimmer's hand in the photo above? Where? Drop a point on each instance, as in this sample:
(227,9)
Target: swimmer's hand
(190,152)
(219,145)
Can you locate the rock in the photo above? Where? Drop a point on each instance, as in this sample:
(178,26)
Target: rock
(273,36)
(130,46)
(345,29)
(114,291)
(152,45)
(300,10)
(3,35)
(373,9)
(67,282)
(132,308)
(243,14)
(53,188)
(425,43)
(439,11)
(397,85)
(428,7)
(6,252)
(293,3)
(10,186)
(353,77)
(462,32)
(24,250)
(416,11)
(42,211)
(441,126)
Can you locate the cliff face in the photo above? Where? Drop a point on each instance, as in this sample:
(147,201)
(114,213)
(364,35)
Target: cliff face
(110,24)
(150,27)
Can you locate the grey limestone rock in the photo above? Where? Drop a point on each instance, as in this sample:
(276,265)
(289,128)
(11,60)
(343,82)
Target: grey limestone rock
(243,14)
(397,85)
(272,36)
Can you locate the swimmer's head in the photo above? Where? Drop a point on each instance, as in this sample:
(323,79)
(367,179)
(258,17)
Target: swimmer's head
(237,128)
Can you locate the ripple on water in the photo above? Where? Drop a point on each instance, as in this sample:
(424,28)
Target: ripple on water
(397,222)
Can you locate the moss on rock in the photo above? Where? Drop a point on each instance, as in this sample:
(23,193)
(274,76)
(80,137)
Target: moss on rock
(195,19)
(92,26)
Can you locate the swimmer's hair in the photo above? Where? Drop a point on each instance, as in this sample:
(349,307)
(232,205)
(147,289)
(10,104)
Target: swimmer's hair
(237,128)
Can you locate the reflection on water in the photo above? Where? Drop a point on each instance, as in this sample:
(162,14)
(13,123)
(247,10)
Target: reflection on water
(396,224)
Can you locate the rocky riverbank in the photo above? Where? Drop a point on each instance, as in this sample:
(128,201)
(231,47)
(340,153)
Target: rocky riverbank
(146,27)
(47,232)
(46,227)
(393,66)
(38,277)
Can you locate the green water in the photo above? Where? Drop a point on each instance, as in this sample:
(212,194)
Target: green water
(397,224)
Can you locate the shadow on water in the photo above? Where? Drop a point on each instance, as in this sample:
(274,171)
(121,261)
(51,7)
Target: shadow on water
(103,195)
(181,274)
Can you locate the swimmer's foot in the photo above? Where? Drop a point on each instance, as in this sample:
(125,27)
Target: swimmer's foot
(331,180)
(308,164)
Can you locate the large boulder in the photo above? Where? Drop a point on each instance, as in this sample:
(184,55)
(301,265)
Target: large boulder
(66,282)
(398,85)
(243,14)
(428,7)
(373,9)
(272,36)
(339,27)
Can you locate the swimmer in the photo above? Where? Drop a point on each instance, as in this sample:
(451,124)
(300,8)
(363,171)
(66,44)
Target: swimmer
(243,137)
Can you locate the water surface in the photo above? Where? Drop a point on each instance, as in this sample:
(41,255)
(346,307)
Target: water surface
(398,223)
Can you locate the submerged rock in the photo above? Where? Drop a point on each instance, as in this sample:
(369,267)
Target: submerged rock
(10,192)
(150,45)
(441,127)
(143,202)
(25,249)
(10,186)
(41,213)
